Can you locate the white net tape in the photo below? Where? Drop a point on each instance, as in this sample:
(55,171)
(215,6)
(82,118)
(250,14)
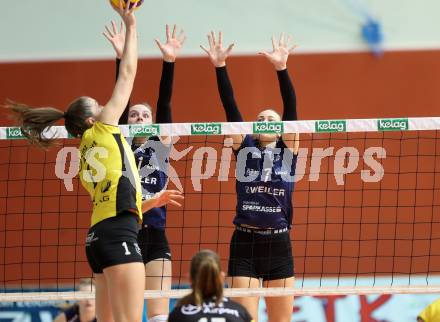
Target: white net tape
(231,292)
(321,126)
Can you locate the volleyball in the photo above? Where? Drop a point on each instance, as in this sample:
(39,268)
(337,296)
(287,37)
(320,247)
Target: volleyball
(115,3)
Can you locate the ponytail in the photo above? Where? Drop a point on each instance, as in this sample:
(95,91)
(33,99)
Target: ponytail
(34,121)
(208,283)
(206,279)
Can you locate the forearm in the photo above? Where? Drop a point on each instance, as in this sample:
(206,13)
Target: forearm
(227,95)
(127,71)
(124,117)
(288,95)
(163,113)
(149,204)
(128,65)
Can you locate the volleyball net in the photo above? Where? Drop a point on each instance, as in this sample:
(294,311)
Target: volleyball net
(366,215)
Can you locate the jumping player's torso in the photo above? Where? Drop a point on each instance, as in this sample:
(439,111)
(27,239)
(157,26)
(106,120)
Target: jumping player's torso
(264,185)
(108,172)
(226,311)
(152,160)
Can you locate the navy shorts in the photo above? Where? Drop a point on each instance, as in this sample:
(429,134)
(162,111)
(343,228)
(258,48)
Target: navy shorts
(154,244)
(260,254)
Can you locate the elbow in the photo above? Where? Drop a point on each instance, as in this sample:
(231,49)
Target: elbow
(128,69)
(127,74)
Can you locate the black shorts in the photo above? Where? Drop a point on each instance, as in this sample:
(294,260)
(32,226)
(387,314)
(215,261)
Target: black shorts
(265,256)
(113,241)
(154,244)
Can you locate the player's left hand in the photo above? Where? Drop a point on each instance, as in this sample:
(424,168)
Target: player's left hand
(173,44)
(280,52)
(166,197)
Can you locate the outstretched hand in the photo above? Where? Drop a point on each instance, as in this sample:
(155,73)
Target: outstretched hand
(126,14)
(116,38)
(217,54)
(173,45)
(166,197)
(280,52)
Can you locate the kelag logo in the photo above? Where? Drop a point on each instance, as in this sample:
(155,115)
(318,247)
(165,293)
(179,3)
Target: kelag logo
(144,130)
(268,128)
(14,133)
(392,125)
(331,126)
(206,128)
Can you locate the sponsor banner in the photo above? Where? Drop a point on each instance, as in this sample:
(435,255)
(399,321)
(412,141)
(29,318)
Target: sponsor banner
(392,125)
(341,308)
(356,308)
(206,129)
(144,130)
(14,133)
(312,126)
(330,126)
(268,128)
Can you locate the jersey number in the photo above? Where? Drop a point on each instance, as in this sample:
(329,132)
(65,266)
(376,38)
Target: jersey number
(267,174)
(212,320)
(127,252)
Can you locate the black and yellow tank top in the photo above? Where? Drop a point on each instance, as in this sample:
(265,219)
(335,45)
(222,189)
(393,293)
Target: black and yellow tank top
(108,172)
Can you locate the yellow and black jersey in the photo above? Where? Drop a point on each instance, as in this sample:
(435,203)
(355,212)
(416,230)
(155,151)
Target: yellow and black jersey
(108,172)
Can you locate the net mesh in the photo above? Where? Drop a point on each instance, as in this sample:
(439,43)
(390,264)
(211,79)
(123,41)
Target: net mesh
(366,207)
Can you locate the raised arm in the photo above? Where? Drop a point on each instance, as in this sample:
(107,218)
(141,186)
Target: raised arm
(227,95)
(278,57)
(127,70)
(288,94)
(218,55)
(117,39)
(169,52)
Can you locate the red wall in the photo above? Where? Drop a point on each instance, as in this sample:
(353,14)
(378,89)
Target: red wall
(383,228)
(328,86)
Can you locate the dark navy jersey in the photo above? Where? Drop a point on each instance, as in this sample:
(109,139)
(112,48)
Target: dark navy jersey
(264,184)
(226,311)
(72,314)
(152,159)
